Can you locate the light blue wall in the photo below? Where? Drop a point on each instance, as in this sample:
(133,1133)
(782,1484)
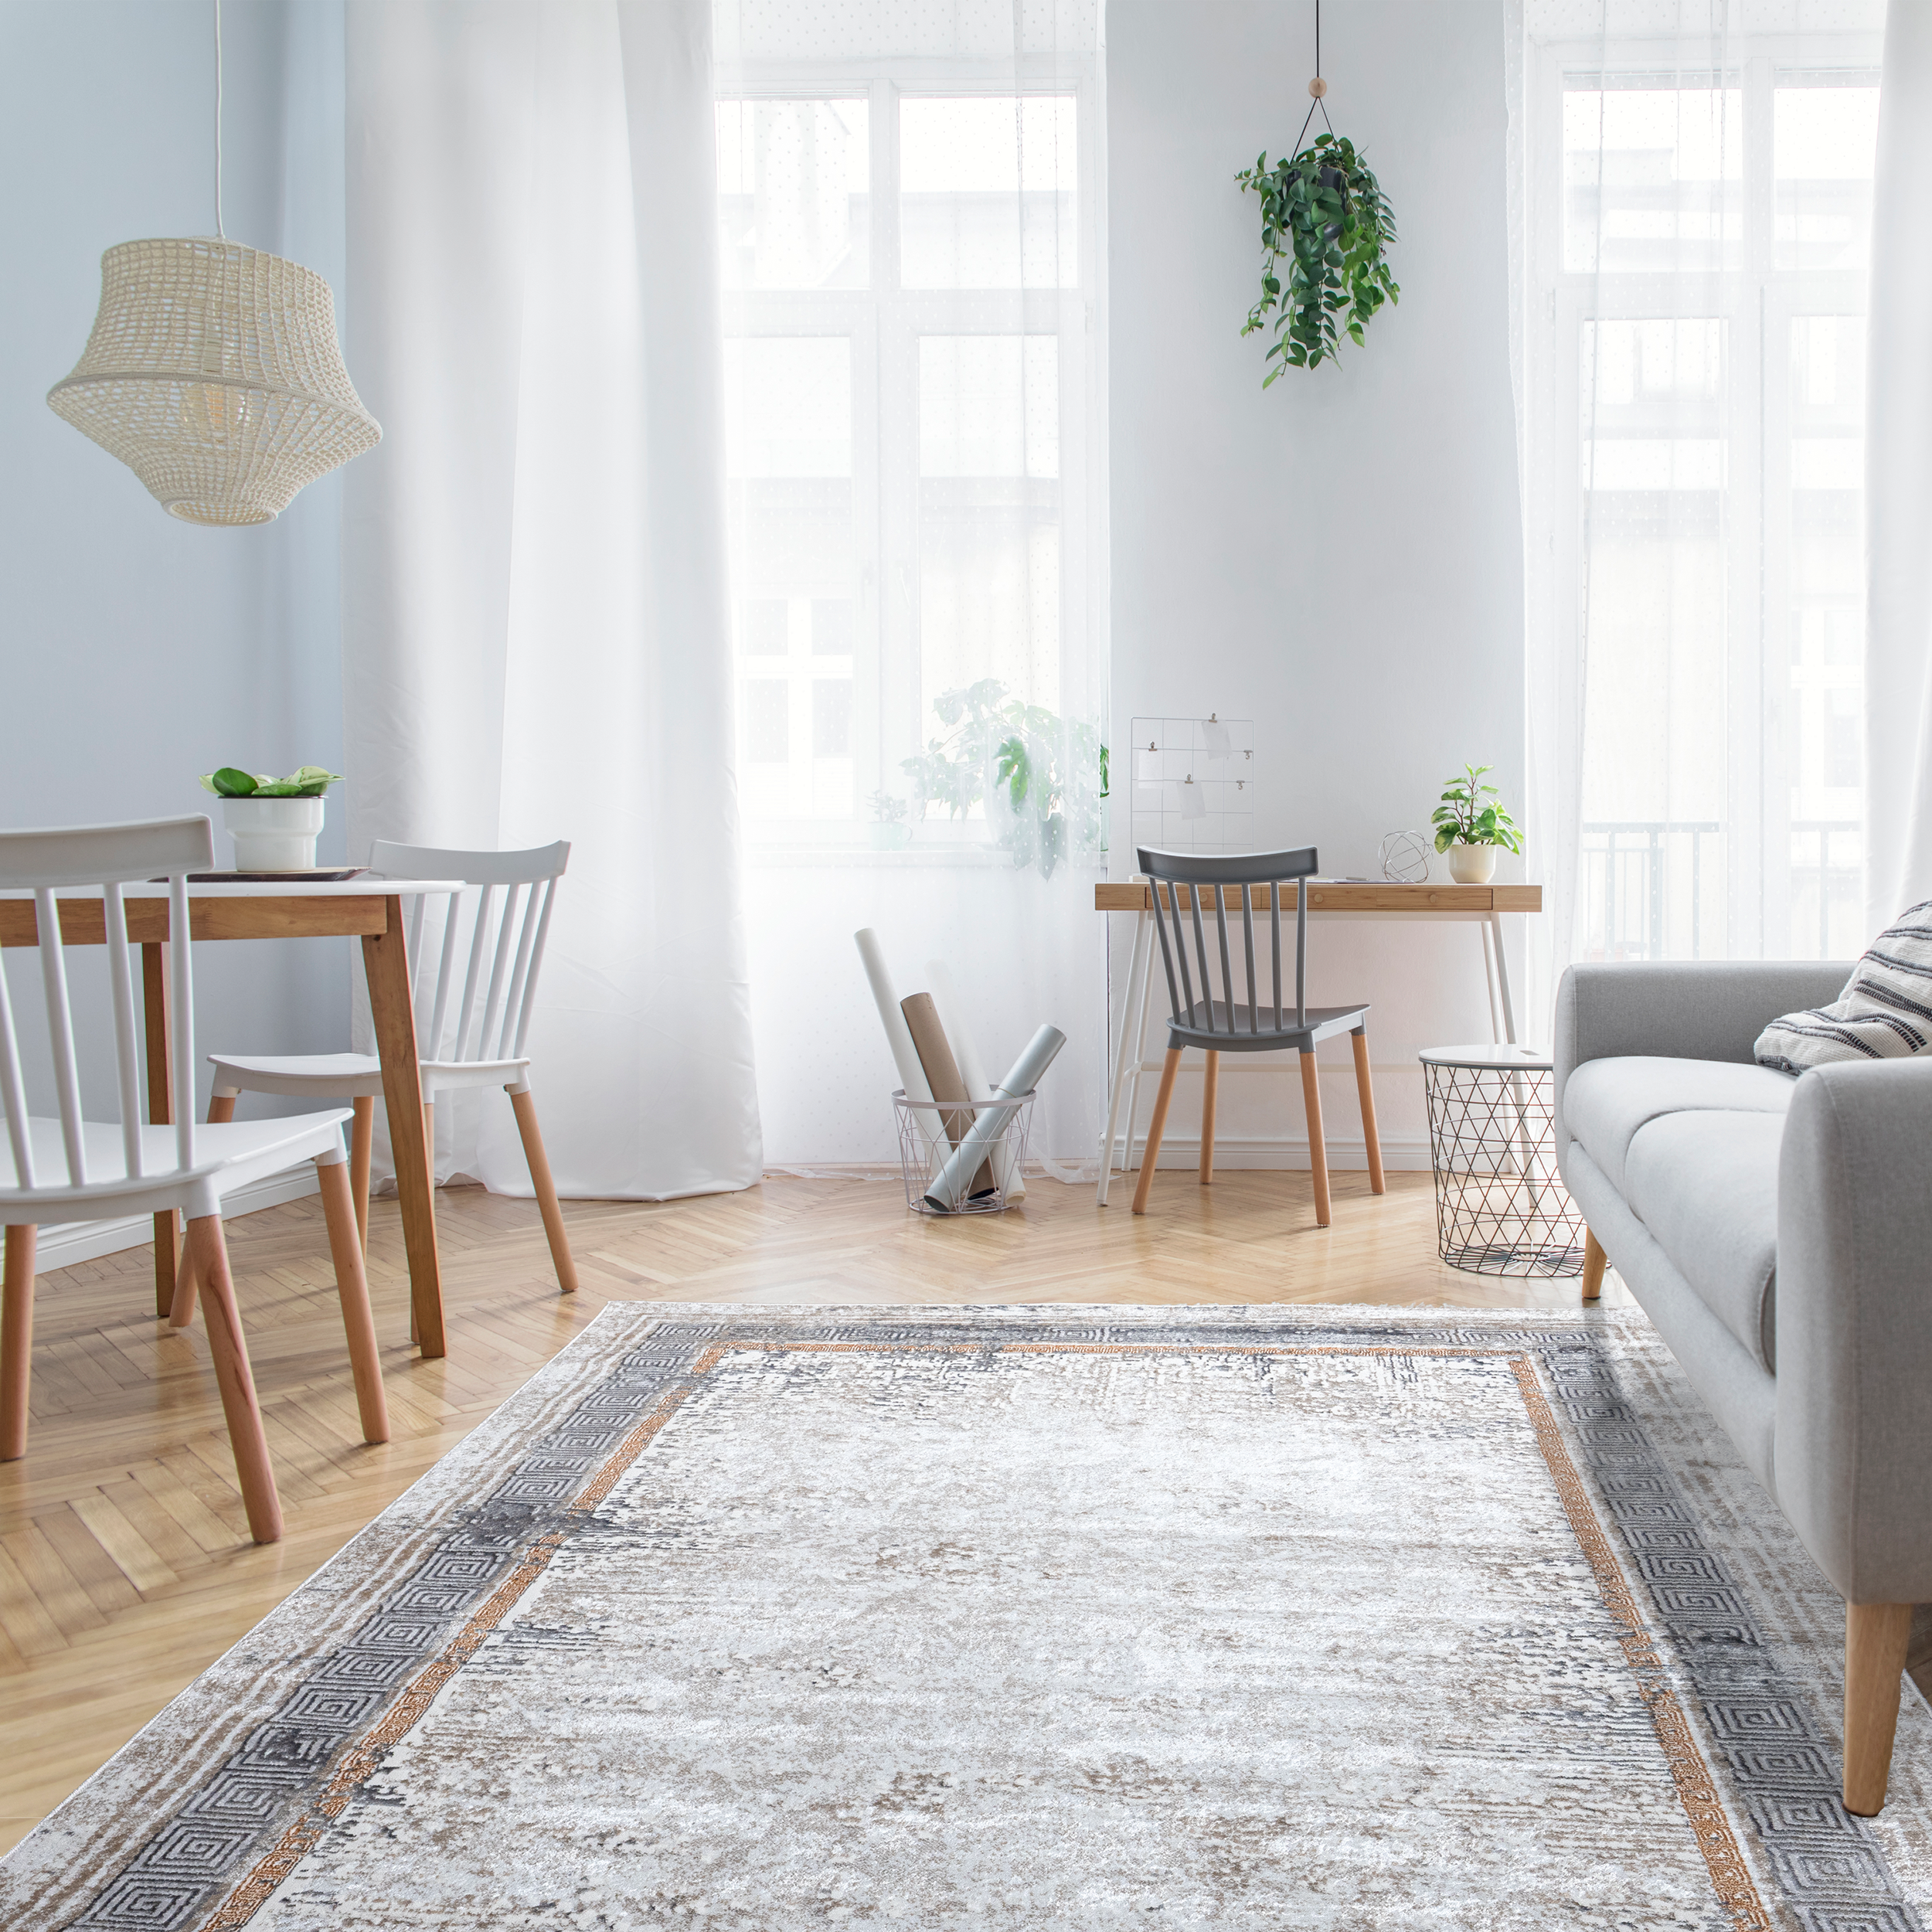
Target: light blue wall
(135,650)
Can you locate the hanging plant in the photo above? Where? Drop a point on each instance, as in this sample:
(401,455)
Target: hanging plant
(1326,213)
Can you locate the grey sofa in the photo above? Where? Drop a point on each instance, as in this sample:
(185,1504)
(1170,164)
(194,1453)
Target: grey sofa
(1778,1233)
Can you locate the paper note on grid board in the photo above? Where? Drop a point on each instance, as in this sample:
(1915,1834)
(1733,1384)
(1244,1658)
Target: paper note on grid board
(1194,782)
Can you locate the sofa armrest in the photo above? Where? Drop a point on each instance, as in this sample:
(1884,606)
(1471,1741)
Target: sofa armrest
(1854,1445)
(1678,1009)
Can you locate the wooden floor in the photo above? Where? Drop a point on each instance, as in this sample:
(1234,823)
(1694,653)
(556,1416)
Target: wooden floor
(125,1567)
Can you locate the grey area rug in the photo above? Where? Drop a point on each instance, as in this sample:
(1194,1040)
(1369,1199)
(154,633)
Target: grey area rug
(1229,1618)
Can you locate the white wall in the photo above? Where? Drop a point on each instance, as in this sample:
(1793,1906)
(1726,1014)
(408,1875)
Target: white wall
(135,650)
(1338,559)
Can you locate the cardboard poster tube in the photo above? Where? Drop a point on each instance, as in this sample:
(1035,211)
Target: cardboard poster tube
(942,1075)
(1006,1174)
(949,1190)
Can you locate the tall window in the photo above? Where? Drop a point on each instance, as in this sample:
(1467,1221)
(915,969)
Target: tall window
(1697,225)
(908,267)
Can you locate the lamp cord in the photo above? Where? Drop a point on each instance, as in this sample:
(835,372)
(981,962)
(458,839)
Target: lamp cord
(221,232)
(1317,102)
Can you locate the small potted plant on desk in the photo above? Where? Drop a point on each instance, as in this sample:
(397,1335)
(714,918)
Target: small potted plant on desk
(1470,823)
(274,822)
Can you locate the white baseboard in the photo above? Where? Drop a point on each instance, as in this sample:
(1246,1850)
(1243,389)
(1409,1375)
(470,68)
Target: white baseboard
(88,1240)
(1401,1154)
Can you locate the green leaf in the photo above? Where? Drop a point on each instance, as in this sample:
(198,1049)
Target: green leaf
(229,782)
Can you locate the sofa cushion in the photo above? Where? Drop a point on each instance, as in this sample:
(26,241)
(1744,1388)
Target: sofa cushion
(1704,1182)
(1885,1011)
(1606,1101)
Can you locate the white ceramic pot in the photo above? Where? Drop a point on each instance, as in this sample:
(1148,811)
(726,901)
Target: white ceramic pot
(1472,865)
(273,835)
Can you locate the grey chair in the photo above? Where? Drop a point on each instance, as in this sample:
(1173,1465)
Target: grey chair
(1225,1026)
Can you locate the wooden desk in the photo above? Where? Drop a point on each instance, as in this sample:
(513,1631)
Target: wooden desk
(370,910)
(1327,900)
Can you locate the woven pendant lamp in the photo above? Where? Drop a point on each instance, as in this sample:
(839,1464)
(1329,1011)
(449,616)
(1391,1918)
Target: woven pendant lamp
(213,373)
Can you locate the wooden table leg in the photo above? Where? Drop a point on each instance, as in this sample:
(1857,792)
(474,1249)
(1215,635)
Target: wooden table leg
(386,963)
(161,1112)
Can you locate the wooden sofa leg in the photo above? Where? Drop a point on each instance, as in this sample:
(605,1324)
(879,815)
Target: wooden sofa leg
(1594,1259)
(1876,1636)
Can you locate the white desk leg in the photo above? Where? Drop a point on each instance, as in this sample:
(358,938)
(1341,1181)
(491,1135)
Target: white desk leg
(1139,1061)
(1489,982)
(1493,927)
(1136,988)
(1502,978)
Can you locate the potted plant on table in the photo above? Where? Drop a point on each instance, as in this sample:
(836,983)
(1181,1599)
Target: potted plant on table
(1470,823)
(274,822)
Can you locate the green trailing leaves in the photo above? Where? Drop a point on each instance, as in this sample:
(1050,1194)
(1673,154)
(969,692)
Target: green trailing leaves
(1472,813)
(1324,214)
(308,781)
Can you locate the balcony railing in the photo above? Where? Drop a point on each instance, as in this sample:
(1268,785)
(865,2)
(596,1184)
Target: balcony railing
(1628,877)
(1643,889)
(1839,887)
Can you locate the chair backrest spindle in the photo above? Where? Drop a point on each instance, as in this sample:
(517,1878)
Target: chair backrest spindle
(499,971)
(479,937)
(1227,971)
(1274,931)
(1200,948)
(66,1066)
(1247,954)
(127,1056)
(12,1090)
(1302,952)
(181,992)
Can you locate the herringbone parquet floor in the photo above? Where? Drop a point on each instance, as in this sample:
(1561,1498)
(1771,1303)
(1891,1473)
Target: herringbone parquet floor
(124,1563)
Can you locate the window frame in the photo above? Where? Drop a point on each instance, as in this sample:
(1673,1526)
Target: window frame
(885,323)
(1755,305)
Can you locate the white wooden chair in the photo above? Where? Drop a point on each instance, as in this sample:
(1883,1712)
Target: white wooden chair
(129,1168)
(475,1039)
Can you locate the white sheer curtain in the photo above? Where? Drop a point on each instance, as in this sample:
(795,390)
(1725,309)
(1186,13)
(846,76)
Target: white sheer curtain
(1899,478)
(1694,204)
(535,635)
(913,231)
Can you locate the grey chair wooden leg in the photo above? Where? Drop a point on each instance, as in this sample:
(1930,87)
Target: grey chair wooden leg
(1318,1143)
(1208,1090)
(1151,1153)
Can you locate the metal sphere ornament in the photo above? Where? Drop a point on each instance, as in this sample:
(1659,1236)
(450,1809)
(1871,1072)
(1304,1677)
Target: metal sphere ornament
(1405,858)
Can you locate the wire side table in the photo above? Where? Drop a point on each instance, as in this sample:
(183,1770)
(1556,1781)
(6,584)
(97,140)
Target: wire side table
(1501,1206)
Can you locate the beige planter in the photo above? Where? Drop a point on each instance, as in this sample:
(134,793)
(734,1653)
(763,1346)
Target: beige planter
(1472,865)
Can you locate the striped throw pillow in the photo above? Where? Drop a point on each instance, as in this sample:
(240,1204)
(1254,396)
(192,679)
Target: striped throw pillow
(1884,1012)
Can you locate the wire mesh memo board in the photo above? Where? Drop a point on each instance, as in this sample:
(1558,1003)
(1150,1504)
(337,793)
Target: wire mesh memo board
(1194,783)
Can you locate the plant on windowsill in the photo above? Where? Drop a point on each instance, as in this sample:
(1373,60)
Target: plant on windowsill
(1042,779)
(889,830)
(1325,212)
(1470,823)
(274,822)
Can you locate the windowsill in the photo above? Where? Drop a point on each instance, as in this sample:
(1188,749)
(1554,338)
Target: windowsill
(917,858)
